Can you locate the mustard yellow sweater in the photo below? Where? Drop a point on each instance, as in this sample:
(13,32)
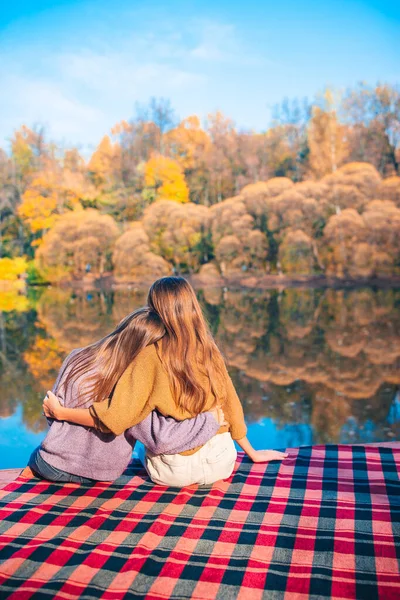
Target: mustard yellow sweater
(144,386)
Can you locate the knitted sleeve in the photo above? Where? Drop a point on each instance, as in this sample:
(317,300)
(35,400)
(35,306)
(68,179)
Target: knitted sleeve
(165,435)
(233,409)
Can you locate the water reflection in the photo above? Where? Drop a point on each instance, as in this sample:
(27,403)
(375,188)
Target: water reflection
(311,366)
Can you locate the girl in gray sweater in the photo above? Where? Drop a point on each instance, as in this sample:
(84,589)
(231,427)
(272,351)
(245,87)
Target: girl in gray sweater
(74,453)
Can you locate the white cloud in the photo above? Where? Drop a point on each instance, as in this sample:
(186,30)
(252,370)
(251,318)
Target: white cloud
(217,43)
(33,101)
(81,92)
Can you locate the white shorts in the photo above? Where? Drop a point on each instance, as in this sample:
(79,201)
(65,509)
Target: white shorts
(214,461)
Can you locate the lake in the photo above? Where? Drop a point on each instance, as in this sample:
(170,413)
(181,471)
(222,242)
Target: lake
(311,366)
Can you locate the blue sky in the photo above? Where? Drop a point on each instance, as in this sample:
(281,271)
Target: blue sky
(79,67)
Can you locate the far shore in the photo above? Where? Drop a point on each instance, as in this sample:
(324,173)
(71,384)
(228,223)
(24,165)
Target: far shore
(108,282)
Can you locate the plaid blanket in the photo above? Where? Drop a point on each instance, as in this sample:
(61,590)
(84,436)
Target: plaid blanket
(322,524)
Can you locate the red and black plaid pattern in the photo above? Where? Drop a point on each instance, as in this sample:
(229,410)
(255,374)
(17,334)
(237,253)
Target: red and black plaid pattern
(324,523)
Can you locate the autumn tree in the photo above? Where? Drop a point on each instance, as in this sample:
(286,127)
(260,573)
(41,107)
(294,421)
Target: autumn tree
(222,163)
(353,185)
(343,233)
(326,138)
(29,153)
(73,161)
(364,245)
(189,145)
(133,258)
(290,121)
(238,244)
(187,142)
(390,190)
(11,243)
(164,179)
(296,255)
(160,112)
(382,218)
(39,207)
(179,233)
(12,268)
(49,194)
(103,163)
(373,114)
(78,239)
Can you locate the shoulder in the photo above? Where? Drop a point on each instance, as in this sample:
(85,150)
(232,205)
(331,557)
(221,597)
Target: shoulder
(149,353)
(66,366)
(147,359)
(141,372)
(72,355)
(74,352)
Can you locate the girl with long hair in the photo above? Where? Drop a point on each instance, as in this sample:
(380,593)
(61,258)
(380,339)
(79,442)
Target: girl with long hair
(72,453)
(181,375)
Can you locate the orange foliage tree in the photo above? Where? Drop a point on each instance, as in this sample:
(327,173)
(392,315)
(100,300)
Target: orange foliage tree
(133,258)
(79,240)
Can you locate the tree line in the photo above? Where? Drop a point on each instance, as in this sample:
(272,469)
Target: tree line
(317,192)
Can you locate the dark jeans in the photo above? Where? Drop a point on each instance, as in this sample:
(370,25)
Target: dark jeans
(45,471)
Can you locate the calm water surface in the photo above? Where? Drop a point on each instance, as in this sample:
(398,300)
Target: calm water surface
(311,366)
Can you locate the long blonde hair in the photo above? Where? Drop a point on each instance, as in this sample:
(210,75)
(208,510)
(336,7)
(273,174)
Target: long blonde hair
(101,364)
(187,343)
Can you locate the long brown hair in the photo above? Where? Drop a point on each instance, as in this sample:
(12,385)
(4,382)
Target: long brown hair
(187,349)
(101,364)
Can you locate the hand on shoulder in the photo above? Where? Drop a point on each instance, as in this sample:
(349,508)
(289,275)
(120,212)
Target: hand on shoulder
(218,415)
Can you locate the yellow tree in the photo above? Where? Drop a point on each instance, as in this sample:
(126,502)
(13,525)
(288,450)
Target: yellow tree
(47,196)
(39,206)
(188,142)
(12,268)
(326,138)
(103,162)
(164,179)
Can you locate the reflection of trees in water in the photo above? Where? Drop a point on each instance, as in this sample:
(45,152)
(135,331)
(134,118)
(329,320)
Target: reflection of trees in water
(63,320)
(125,301)
(74,319)
(296,355)
(243,320)
(17,385)
(343,345)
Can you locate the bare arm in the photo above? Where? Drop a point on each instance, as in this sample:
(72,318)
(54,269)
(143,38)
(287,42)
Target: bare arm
(260,455)
(53,409)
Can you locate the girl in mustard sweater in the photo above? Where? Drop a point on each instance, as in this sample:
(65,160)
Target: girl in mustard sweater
(181,375)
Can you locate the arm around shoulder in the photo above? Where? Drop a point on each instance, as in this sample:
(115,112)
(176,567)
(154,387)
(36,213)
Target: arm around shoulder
(129,403)
(165,435)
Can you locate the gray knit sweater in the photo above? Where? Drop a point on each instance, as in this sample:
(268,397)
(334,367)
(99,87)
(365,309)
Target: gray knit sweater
(104,456)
